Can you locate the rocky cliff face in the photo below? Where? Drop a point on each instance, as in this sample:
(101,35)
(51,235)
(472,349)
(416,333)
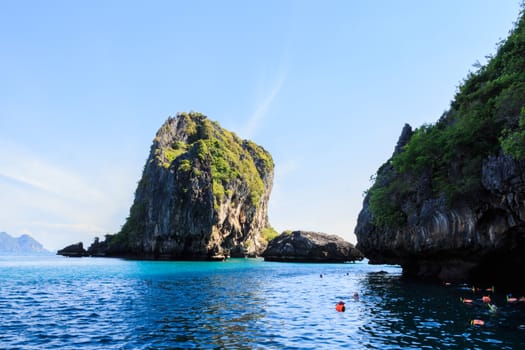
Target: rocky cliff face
(450,202)
(480,236)
(303,246)
(203,195)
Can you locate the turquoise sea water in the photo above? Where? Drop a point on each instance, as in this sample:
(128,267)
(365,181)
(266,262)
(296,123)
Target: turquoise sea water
(94,303)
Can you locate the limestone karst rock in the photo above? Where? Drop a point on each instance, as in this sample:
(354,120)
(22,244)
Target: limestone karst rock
(304,246)
(203,195)
(450,202)
(74,250)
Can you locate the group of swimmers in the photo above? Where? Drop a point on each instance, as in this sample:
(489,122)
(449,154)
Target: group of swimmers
(487,300)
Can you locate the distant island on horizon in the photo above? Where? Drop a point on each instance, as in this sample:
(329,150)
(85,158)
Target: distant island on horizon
(24,244)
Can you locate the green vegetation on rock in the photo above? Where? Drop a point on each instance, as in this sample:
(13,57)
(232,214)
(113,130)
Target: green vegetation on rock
(513,141)
(269,233)
(231,158)
(199,155)
(384,205)
(131,230)
(185,165)
(486,116)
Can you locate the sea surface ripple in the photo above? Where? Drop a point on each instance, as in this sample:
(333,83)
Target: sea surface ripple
(94,303)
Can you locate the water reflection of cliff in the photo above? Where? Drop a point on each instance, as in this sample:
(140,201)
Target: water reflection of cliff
(410,313)
(200,309)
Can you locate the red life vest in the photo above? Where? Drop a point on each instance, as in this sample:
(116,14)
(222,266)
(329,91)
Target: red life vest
(340,307)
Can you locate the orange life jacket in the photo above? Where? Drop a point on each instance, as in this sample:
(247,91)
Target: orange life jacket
(477,322)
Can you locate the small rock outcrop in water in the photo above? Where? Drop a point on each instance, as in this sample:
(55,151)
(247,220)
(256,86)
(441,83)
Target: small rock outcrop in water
(303,246)
(74,251)
(450,202)
(203,195)
(99,248)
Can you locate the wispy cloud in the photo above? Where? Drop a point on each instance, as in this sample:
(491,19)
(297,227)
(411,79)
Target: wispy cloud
(79,227)
(263,105)
(30,171)
(58,204)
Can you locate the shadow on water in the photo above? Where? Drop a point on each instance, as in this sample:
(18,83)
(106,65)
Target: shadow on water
(401,312)
(200,310)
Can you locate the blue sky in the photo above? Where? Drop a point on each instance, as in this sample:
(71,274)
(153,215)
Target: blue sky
(325,86)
